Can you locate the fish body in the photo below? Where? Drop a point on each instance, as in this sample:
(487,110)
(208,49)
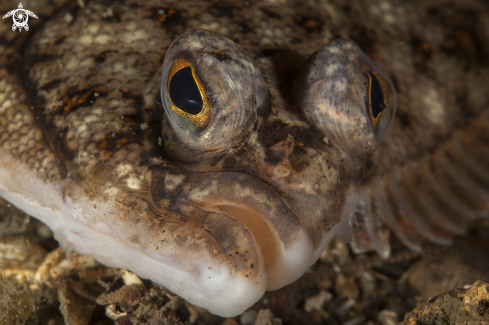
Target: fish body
(243,196)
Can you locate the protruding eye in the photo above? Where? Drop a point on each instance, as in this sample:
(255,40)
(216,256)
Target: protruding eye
(377,96)
(347,96)
(187,95)
(211,91)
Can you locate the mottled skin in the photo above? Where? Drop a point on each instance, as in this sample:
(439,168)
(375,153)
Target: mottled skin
(80,109)
(90,104)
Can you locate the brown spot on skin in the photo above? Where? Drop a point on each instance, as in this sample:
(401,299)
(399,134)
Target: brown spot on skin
(281,151)
(76,101)
(168,14)
(311,24)
(426,46)
(120,142)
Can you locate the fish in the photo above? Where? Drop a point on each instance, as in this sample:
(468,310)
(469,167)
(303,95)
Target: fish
(217,148)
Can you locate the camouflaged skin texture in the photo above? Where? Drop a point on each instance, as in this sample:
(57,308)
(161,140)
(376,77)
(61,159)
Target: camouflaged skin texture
(90,98)
(19,134)
(79,104)
(94,81)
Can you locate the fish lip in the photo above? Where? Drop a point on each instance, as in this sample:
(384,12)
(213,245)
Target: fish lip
(293,246)
(294,233)
(228,294)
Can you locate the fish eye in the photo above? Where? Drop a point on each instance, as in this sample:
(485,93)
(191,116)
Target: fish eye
(347,96)
(187,94)
(212,93)
(377,96)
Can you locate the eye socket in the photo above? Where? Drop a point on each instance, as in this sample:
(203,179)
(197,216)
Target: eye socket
(212,93)
(347,96)
(187,95)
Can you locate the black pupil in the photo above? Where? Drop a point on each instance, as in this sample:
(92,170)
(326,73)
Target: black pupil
(376,96)
(184,92)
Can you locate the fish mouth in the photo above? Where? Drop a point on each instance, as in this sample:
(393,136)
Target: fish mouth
(285,245)
(281,237)
(285,260)
(255,223)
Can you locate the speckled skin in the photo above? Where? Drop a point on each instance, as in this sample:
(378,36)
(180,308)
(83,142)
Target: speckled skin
(80,109)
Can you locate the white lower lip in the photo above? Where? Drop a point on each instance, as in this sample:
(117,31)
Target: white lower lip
(225,295)
(217,289)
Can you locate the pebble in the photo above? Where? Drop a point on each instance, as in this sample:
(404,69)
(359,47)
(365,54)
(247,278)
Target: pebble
(264,317)
(229,321)
(345,307)
(368,284)
(325,284)
(359,320)
(336,253)
(130,278)
(345,286)
(315,303)
(460,306)
(248,317)
(387,317)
